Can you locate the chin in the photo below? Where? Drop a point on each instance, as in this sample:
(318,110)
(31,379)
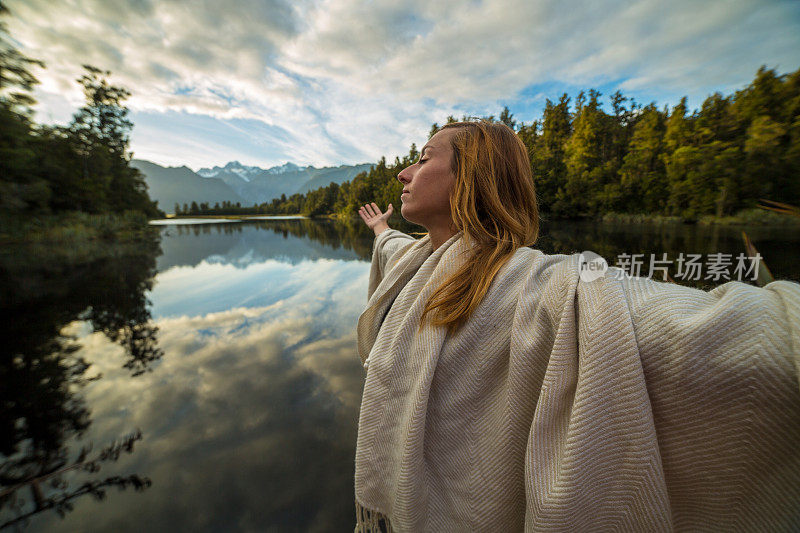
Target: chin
(406,216)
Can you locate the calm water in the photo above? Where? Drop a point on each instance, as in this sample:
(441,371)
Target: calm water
(212,375)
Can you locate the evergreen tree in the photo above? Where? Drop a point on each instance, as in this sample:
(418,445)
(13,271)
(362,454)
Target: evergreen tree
(679,156)
(769,110)
(547,159)
(717,160)
(413,153)
(583,154)
(22,188)
(16,79)
(102,121)
(642,173)
(506,118)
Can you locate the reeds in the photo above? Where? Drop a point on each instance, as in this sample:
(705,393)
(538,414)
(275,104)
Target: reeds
(764,274)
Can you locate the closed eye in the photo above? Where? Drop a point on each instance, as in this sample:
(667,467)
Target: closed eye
(422,161)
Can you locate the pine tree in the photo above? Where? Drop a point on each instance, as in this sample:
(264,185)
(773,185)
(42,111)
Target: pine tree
(547,161)
(99,133)
(643,177)
(22,186)
(506,118)
(583,156)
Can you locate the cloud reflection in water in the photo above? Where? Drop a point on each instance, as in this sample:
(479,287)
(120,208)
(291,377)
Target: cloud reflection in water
(250,419)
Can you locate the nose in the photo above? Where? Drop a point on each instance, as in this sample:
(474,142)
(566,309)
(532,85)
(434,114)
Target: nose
(405,175)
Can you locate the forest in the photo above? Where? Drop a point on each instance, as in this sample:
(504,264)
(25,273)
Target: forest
(83,166)
(718,160)
(48,173)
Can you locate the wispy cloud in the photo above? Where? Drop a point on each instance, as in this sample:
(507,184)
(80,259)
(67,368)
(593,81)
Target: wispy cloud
(238,395)
(249,382)
(340,81)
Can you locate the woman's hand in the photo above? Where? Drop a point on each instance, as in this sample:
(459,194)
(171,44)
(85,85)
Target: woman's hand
(374,218)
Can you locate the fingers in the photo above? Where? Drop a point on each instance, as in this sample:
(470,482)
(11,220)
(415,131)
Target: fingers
(371,210)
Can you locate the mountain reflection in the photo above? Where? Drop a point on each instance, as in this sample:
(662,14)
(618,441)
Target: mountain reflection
(254,241)
(249,416)
(42,370)
(246,407)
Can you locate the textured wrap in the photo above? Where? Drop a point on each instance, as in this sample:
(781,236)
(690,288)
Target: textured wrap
(564,405)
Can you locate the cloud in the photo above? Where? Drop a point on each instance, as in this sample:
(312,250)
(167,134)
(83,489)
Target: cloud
(249,418)
(490,51)
(156,47)
(210,287)
(342,81)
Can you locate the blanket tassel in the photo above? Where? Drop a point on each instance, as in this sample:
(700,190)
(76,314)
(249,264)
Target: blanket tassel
(368,521)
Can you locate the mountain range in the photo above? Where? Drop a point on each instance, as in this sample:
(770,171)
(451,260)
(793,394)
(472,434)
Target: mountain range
(235,182)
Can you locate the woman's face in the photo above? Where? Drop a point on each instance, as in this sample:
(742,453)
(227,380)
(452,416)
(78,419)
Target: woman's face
(427,184)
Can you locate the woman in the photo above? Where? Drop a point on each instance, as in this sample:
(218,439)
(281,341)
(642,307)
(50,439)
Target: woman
(505,393)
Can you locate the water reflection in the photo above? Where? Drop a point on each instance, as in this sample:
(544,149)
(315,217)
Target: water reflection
(249,417)
(43,369)
(780,247)
(248,414)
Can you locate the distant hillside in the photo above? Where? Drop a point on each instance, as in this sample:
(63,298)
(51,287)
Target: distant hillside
(169,185)
(260,185)
(322,177)
(237,183)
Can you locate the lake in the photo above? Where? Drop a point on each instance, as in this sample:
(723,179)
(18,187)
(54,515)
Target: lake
(209,380)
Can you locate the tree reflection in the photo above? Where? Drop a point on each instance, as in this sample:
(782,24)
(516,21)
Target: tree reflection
(49,474)
(44,288)
(608,239)
(349,234)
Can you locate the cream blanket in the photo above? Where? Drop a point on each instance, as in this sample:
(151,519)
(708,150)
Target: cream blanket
(564,405)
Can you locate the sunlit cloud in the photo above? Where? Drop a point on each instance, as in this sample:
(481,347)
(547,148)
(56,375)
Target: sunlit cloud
(338,81)
(211,287)
(234,390)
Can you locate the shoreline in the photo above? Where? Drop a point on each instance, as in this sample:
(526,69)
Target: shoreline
(75,226)
(751,217)
(230,217)
(746,217)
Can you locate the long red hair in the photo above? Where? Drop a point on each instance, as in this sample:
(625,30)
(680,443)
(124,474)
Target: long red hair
(494,203)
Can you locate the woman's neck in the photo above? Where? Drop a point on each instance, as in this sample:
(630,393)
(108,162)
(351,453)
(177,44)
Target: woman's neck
(440,235)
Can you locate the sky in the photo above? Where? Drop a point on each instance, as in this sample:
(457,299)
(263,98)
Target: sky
(334,82)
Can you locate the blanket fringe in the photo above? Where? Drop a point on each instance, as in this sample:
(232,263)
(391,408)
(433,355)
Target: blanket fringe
(368,521)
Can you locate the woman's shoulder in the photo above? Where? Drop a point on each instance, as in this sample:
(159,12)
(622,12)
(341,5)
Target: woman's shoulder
(535,263)
(531,269)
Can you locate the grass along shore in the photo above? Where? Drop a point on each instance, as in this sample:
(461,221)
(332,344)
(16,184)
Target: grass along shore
(75,227)
(131,226)
(233,217)
(747,217)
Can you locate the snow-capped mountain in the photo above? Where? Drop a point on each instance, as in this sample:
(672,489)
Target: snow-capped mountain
(286,167)
(248,184)
(171,185)
(236,168)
